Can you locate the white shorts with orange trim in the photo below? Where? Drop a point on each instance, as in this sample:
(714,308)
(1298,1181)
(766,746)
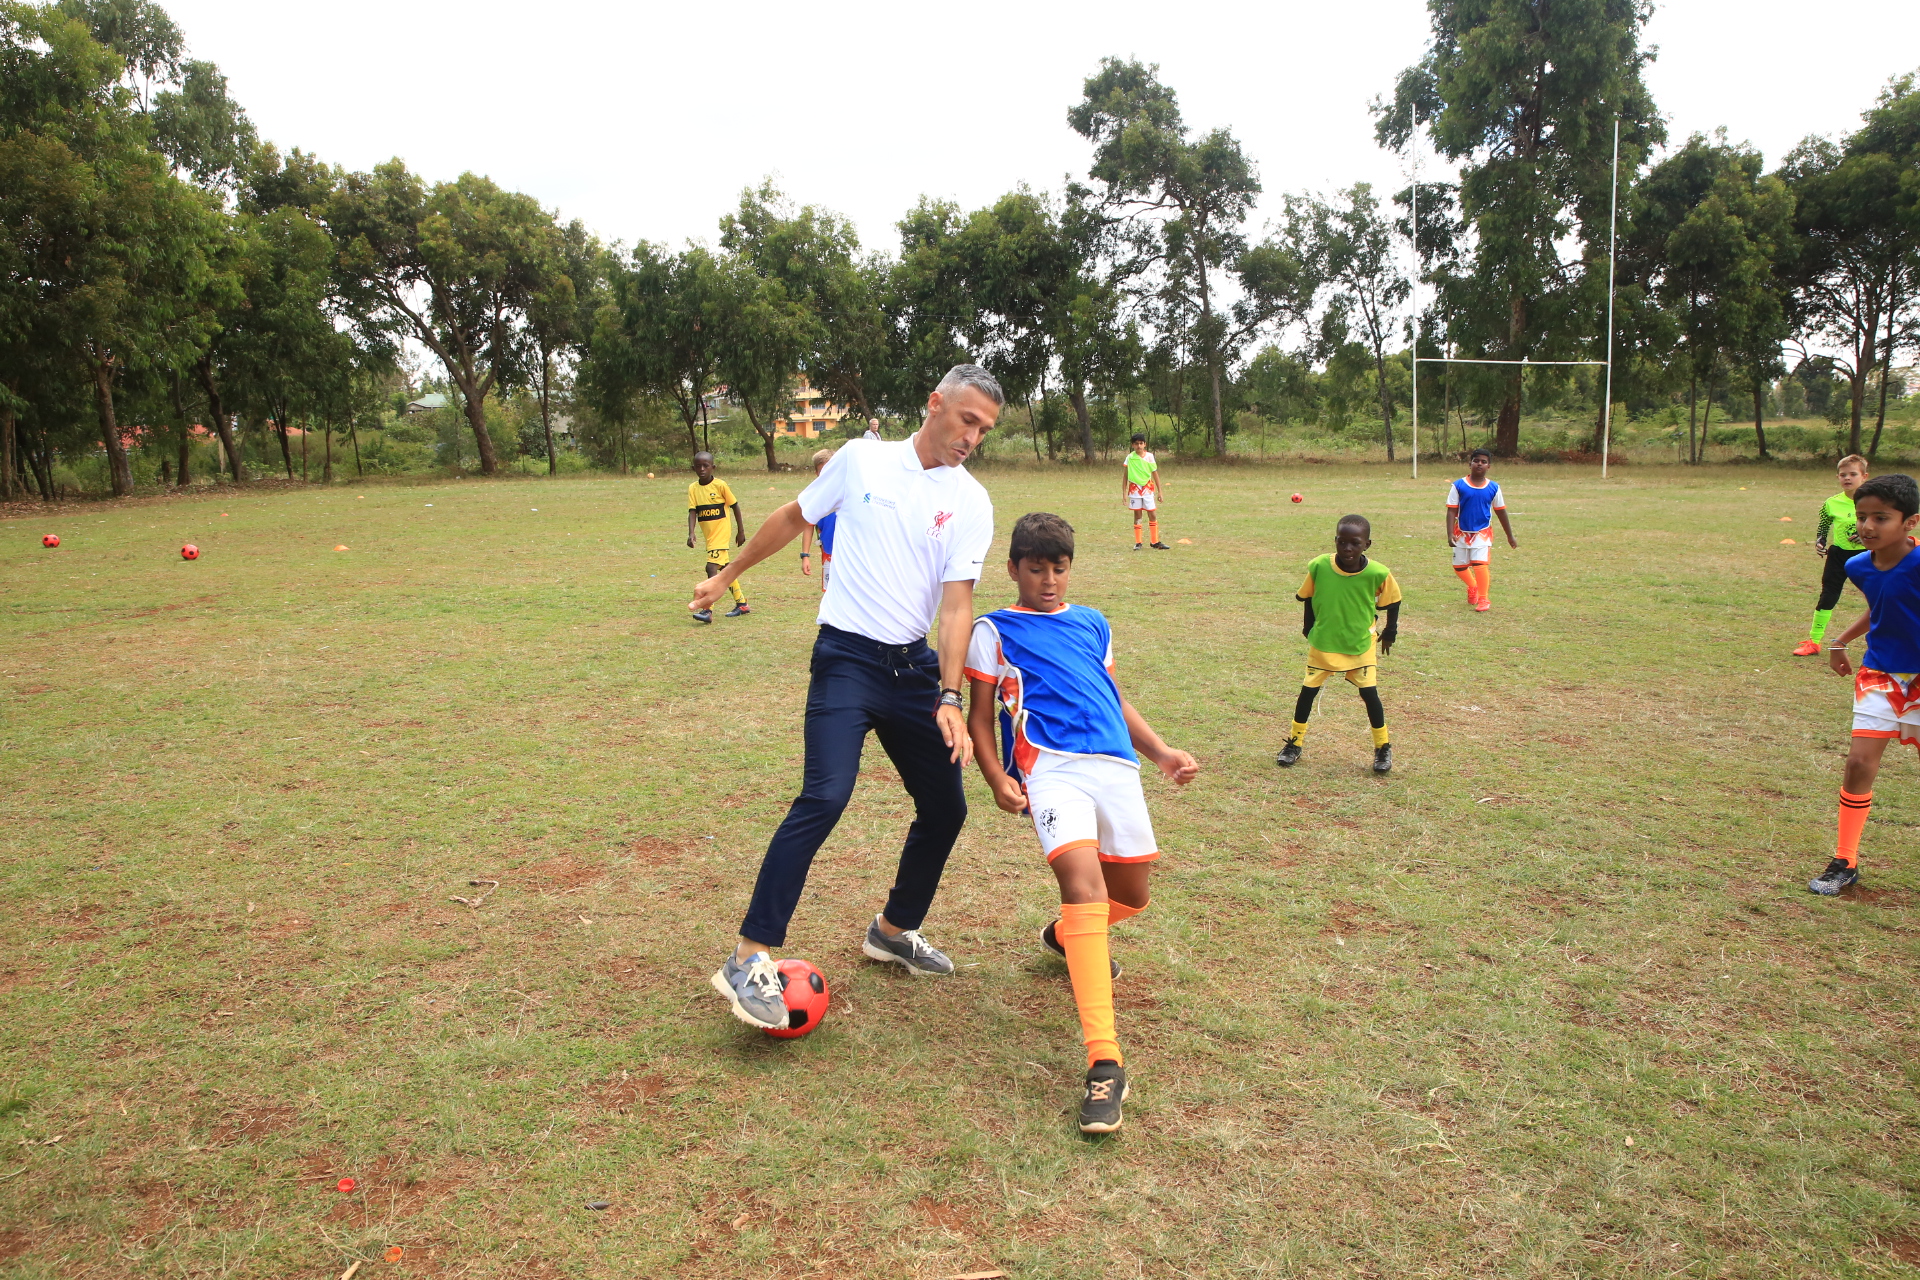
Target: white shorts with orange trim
(1886,705)
(1142,498)
(1078,801)
(1472,548)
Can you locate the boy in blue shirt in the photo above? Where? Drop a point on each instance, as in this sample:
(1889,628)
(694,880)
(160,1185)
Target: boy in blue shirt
(1472,503)
(824,528)
(1886,692)
(1072,761)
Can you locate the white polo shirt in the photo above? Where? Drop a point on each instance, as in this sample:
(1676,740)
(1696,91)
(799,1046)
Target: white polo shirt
(903,531)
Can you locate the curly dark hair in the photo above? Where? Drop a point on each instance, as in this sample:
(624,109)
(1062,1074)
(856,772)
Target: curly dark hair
(1040,535)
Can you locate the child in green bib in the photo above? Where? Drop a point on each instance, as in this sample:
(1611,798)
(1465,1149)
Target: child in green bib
(1834,542)
(1143,493)
(1343,593)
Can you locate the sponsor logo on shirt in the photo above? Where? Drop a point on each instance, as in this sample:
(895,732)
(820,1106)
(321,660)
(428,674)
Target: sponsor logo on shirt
(940,519)
(888,503)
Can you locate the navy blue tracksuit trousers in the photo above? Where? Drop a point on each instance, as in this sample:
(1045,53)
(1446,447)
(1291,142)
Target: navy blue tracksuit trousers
(860,684)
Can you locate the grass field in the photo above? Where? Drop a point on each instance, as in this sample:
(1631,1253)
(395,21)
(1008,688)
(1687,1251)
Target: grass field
(1551,1000)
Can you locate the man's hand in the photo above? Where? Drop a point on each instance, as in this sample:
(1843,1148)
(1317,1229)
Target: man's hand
(953,729)
(689,541)
(1837,659)
(1387,638)
(1009,794)
(806,564)
(1513,542)
(707,594)
(1179,767)
(739,537)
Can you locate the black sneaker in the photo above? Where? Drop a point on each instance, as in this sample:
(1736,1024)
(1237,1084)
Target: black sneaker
(1136,546)
(1383,758)
(1106,1090)
(739,610)
(1289,755)
(1836,877)
(1051,942)
(1160,546)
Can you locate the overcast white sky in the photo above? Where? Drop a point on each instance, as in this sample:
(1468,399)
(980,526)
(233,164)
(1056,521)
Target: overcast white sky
(646,120)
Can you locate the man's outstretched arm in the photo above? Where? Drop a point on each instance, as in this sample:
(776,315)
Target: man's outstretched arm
(782,527)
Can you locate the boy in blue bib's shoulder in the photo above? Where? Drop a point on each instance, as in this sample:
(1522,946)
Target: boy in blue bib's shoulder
(1072,748)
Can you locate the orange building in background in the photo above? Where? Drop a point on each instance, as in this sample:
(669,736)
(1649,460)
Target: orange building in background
(813,415)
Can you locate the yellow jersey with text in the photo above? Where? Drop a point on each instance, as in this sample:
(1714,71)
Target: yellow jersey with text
(709,503)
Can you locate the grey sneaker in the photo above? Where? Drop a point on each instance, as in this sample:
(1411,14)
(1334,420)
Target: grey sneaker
(1383,758)
(1836,877)
(1051,941)
(907,948)
(1289,755)
(754,991)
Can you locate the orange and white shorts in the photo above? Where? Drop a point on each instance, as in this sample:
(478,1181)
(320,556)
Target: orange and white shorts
(1141,497)
(1886,705)
(1472,548)
(1076,801)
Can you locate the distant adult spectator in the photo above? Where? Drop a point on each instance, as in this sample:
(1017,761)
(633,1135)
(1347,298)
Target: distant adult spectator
(873,430)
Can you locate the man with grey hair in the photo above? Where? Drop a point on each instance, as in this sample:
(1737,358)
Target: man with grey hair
(873,430)
(912,534)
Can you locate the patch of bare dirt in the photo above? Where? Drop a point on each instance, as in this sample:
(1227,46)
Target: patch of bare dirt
(653,851)
(554,875)
(250,1123)
(14,1243)
(11,978)
(1905,1248)
(624,1092)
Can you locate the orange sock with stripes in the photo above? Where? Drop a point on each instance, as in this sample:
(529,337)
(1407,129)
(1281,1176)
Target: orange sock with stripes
(1153,528)
(1853,820)
(1482,578)
(1136,533)
(1083,936)
(1465,574)
(1118,911)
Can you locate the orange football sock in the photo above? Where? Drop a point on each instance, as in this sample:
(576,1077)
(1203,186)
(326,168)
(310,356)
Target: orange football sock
(1465,574)
(1482,576)
(1153,528)
(1853,820)
(1118,911)
(1083,936)
(1136,533)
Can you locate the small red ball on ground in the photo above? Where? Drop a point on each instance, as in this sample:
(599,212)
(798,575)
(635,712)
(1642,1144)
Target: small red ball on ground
(189,552)
(806,995)
(1298,498)
(51,540)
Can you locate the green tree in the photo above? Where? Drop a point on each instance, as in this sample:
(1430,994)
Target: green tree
(1523,96)
(1349,247)
(1188,198)
(457,265)
(662,332)
(816,257)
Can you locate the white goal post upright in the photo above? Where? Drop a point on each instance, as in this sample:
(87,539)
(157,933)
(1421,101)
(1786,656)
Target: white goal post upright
(1613,213)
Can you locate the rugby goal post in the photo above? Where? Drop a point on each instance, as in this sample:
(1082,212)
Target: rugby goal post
(1613,216)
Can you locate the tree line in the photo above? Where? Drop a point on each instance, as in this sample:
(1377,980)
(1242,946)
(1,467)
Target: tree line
(161,265)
